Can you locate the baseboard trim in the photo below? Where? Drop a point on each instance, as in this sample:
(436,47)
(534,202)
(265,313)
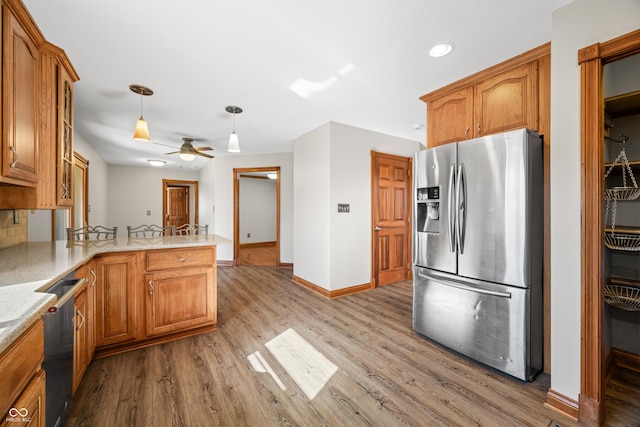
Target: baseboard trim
(226,263)
(327,293)
(626,359)
(288,265)
(562,403)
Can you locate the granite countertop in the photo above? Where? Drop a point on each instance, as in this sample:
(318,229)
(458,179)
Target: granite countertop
(29,268)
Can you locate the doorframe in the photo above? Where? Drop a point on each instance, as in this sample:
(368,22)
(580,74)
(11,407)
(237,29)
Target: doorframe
(409,225)
(193,194)
(591,405)
(236,209)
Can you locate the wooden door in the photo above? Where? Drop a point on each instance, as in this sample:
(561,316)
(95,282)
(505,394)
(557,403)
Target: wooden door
(507,101)
(391,218)
(178,209)
(450,117)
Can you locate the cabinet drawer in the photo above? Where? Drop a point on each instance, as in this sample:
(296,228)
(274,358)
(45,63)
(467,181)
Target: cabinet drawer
(179,258)
(19,363)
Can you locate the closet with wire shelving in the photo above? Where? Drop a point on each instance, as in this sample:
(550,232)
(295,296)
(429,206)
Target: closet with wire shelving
(622,208)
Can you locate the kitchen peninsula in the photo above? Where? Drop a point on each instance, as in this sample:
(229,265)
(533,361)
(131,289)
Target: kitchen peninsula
(28,269)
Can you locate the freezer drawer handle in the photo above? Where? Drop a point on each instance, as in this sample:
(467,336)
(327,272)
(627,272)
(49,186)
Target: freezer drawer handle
(466,287)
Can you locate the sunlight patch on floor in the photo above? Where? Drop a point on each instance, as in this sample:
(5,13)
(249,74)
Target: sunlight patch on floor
(261,365)
(309,368)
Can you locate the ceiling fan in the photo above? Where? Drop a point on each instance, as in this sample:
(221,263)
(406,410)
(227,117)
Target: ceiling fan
(189,152)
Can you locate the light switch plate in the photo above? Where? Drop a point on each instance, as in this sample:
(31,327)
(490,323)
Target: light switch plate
(343,207)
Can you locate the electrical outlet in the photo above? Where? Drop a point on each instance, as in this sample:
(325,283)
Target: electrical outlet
(248,235)
(148,213)
(343,207)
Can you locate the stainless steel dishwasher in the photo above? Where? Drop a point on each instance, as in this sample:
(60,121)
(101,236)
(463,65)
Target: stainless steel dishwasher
(58,349)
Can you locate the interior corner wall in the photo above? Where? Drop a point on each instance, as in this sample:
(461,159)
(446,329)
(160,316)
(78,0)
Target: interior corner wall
(575,26)
(333,163)
(311,192)
(350,172)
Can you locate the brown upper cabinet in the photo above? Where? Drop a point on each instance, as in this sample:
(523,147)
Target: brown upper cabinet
(20,84)
(37,116)
(498,99)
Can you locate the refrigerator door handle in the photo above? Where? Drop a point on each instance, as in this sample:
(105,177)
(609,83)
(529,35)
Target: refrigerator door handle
(461,216)
(451,210)
(466,287)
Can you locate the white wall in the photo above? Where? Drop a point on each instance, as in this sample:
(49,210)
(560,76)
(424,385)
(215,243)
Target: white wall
(216,185)
(333,165)
(132,191)
(258,210)
(311,192)
(577,25)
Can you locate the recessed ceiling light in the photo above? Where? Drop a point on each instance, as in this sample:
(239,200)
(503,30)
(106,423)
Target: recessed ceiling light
(156,162)
(441,49)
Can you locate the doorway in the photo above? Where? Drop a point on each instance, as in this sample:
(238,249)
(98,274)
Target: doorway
(391,218)
(594,364)
(179,203)
(256,216)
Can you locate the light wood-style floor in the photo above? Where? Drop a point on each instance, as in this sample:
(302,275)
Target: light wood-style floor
(387,374)
(258,255)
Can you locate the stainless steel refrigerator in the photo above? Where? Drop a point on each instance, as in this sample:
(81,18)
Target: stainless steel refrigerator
(478,248)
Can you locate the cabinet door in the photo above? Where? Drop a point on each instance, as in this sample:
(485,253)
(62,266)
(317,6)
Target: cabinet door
(80,344)
(507,101)
(115,299)
(88,271)
(20,60)
(180,299)
(450,117)
(29,409)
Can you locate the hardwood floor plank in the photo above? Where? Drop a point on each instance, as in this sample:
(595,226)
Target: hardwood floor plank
(387,374)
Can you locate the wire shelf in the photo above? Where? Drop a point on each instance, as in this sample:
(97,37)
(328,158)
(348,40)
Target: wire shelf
(622,193)
(622,296)
(621,241)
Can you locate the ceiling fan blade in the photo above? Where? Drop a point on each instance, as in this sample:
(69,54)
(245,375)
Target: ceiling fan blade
(204,155)
(164,145)
(203,148)
(173,152)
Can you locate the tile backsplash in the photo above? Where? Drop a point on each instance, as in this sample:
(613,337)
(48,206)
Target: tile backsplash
(11,234)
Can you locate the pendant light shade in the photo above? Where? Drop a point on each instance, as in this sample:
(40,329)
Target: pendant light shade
(141,132)
(234,143)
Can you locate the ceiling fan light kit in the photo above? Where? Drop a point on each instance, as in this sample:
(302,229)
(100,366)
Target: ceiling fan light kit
(234,143)
(141,132)
(187,152)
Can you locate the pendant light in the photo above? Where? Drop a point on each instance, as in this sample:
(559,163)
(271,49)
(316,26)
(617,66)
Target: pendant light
(234,144)
(142,130)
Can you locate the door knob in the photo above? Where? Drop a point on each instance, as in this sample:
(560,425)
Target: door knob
(377,228)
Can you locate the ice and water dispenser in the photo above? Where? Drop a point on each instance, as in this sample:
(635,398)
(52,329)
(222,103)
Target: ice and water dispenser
(428,210)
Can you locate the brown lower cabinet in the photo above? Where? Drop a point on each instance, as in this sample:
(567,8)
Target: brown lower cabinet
(22,384)
(147,297)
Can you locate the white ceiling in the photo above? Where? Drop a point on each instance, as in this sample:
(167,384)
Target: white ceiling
(199,56)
